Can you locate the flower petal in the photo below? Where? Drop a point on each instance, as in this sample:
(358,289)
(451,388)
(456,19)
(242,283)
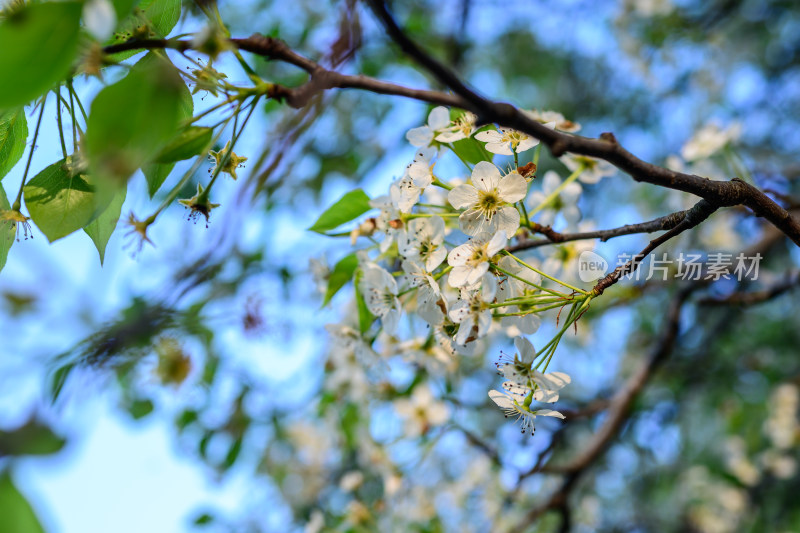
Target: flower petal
(485,176)
(525,349)
(507,220)
(512,188)
(439,118)
(463,196)
(421,136)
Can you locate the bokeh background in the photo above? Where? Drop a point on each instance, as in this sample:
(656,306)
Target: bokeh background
(153,447)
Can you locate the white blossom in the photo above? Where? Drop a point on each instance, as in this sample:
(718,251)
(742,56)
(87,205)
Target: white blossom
(555,118)
(421,411)
(593,169)
(565,202)
(405,192)
(380,294)
(505,141)
(470,260)
(471,312)
(514,407)
(431,306)
(438,120)
(389,221)
(489,200)
(423,241)
(460,128)
(100,18)
(709,140)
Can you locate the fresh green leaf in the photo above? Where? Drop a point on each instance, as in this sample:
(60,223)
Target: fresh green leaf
(101,228)
(150,19)
(203,519)
(351,205)
(32,438)
(365,318)
(38,43)
(59,379)
(190,142)
(472,151)
(342,273)
(139,409)
(233,454)
(13,134)
(131,121)
(7,230)
(59,203)
(17,514)
(156,174)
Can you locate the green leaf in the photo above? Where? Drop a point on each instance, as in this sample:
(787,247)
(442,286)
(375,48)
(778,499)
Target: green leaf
(39,43)
(33,438)
(342,273)
(17,514)
(472,150)
(351,205)
(59,203)
(150,19)
(190,142)
(7,230)
(233,454)
(203,519)
(156,175)
(139,409)
(59,379)
(131,121)
(101,228)
(13,134)
(365,318)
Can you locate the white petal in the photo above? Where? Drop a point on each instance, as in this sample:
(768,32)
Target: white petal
(571,193)
(484,322)
(528,324)
(463,196)
(472,222)
(436,228)
(458,276)
(525,349)
(489,136)
(507,220)
(390,321)
(100,18)
(435,259)
(458,256)
(488,287)
(548,412)
(502,400)
(553,381)
(551,182)
(572,214)
(501,148)
(512,187)
(497,243)
(485,176)
(439,118)
(421,136)
(450,136)
(527,144)
(476,272)
(420,174)
(545,396)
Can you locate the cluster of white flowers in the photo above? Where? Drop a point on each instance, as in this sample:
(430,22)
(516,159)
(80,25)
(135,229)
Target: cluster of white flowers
(414,267)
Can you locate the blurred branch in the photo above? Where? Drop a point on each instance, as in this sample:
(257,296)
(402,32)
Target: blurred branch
(744,299)
(617,414)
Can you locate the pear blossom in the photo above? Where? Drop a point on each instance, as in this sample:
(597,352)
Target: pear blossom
(470,260)
(471,312)
(565,202)
(431,306)
(557,119)
(423,241)
(523,379)
(460,128)
(709,140)
(514,406)
(505,141)
(421,411)
(593,169)
(389,221)
(405,192)
(438,119)
(380,294)
(489,200)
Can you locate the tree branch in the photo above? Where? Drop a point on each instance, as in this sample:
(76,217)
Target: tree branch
(718,193)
